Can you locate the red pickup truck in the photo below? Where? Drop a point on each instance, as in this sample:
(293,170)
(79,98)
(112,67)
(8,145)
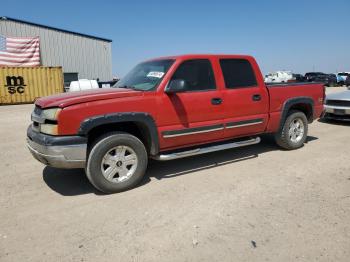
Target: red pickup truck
(168,108)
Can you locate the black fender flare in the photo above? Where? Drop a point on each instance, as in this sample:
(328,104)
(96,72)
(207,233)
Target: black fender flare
(294,101)
(144,119)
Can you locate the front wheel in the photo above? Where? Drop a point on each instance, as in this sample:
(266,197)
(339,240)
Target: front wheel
(116,162)
(293,134)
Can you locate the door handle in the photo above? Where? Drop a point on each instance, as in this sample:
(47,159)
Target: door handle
(256,97)
(216,101)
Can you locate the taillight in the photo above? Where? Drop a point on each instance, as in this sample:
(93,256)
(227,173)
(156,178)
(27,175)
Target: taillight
(324,93)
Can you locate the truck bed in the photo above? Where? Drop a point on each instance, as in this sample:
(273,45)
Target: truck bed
(281,92)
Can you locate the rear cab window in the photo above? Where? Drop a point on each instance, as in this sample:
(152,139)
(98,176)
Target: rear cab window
(238,73)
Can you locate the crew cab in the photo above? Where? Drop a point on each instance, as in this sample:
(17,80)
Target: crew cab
(169,108)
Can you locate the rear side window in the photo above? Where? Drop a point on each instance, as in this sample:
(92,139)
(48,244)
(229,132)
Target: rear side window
(198,74)
(238,73)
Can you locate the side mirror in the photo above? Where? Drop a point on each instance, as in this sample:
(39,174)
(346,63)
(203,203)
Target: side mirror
(176,86)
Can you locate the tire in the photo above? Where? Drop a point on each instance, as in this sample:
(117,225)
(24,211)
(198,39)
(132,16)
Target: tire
(117,162)
(291,141)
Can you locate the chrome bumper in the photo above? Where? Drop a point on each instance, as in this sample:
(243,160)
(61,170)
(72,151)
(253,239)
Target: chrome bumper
(55,151)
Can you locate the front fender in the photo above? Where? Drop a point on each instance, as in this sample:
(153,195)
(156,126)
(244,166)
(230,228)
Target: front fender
(144,119)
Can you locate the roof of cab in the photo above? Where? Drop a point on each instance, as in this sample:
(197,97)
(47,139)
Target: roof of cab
(199,56)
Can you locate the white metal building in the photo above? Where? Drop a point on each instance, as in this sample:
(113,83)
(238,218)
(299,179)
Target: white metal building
(80,55)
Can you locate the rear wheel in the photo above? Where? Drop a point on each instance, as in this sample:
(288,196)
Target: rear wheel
(117,162)
(294,131)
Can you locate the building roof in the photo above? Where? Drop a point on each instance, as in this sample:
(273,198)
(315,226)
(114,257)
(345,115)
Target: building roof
(54,28)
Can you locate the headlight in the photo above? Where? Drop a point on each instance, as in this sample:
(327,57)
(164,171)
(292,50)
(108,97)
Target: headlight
(49,129)
(51,114)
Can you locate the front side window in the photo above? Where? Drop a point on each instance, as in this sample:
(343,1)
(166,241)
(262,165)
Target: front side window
(197,74)
(238,73)
(145,76)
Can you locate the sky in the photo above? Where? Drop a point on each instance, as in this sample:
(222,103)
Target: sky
(296,35)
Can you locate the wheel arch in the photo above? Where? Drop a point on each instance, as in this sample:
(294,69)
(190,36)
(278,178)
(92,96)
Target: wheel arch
(141,125)
(303,104)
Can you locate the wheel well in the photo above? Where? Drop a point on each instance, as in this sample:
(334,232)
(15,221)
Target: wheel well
(305,108)
(134,128)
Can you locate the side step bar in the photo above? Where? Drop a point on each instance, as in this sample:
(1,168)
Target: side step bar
(199,151)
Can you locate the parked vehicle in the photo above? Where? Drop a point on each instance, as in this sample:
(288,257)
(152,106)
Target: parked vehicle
(332,79)
(310,76)
(347,81)
(342,77)
(327,79)
(297,78)
(279,77)
(169,108)
(107,84)
(337,106)
(82,84)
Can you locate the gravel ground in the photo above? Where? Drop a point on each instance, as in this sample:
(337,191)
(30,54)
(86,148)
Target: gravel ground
(257,203)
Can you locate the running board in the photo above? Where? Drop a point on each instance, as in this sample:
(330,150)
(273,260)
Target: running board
(199,151)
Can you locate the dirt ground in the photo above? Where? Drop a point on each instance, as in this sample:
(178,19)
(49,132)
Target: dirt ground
(257,203)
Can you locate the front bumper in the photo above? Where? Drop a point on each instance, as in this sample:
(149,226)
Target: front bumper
(57,151)
(337,113)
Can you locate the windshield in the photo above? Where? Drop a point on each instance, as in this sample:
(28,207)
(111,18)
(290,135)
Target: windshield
(145,76)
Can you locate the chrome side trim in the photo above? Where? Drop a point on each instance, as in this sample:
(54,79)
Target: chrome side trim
(204,150)
(247,124)
(193,132)
(206,129)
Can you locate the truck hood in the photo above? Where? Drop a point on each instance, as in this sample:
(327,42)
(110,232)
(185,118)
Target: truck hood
(72,98)
(345,95)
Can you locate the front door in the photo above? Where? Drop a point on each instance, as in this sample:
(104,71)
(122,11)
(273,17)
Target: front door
(196,115)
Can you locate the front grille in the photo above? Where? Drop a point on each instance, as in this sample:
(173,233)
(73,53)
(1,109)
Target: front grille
(338,103)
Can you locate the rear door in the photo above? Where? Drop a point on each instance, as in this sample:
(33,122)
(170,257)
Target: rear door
(194,116)
(246,98)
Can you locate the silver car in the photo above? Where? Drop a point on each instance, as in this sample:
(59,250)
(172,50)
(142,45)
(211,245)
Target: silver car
(337,106)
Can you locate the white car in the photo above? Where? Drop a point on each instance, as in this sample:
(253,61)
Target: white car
(82,84)
(342,77)
(279,77)
(337,106)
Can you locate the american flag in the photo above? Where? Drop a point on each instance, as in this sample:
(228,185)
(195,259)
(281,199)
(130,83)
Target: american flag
(19,51)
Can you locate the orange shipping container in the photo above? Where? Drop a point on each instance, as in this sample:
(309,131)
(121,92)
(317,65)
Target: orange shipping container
(25,84)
